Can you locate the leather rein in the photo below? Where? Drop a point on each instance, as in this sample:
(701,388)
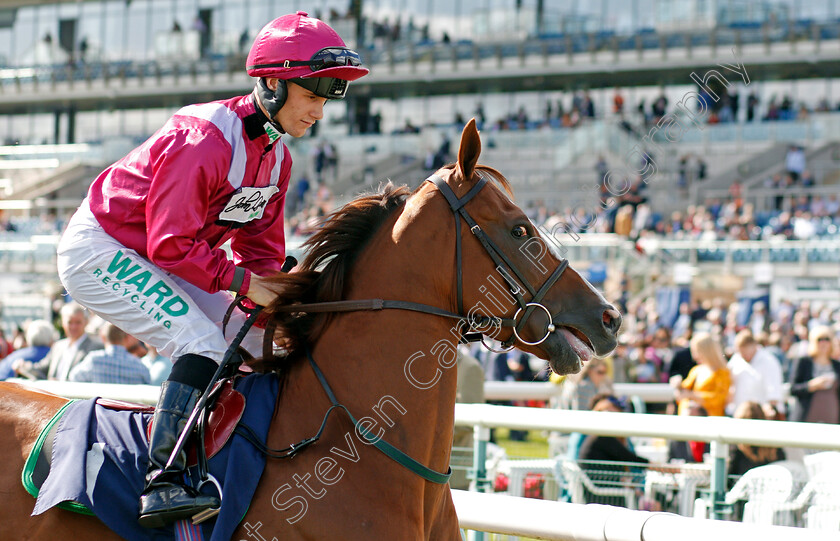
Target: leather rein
(503,265)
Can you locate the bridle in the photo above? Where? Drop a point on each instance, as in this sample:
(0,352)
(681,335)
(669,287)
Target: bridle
(504,266)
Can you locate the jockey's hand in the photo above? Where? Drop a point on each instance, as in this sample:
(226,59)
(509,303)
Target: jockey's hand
(259,291)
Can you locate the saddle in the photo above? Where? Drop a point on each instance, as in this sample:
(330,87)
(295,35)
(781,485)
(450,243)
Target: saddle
(225,411)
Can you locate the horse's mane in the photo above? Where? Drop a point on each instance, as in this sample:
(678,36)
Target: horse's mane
(322,276)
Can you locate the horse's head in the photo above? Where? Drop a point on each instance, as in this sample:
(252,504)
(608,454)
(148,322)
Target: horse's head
(509,270)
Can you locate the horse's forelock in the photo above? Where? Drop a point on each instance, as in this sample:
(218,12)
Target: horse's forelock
(498,177)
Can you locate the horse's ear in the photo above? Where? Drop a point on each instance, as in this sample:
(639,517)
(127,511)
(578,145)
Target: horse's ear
(469,150)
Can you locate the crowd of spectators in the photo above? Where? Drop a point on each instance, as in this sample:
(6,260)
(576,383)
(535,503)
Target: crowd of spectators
(80,348)
(790,212)
(721,355)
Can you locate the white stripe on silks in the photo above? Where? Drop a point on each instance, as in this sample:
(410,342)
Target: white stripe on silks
(231,127)
(94,459)
(278,164)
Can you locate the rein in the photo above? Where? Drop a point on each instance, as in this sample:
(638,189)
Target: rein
(475,321)
(504,266)
(389,450)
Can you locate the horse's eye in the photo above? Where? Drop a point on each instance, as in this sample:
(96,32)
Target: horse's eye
(519,231)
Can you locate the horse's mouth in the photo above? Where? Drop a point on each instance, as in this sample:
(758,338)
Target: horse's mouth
(568,350)
(579,343)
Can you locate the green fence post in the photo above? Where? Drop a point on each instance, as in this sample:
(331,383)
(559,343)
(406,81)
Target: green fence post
(719,453)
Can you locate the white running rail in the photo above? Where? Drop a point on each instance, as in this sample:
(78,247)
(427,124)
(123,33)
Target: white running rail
(543,519)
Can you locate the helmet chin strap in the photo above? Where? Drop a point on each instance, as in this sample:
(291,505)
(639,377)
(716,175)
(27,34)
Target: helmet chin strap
(271,100)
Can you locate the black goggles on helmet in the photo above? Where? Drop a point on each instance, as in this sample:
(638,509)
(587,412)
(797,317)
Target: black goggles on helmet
(325,87)
(328,57)
(332,57)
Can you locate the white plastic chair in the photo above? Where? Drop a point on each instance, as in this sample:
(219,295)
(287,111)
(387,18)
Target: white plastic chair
(768,491)
(821,497)
(798,470)
(823,462)
(577,479)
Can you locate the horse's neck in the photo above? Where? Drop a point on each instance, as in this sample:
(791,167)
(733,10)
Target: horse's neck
(398,371)
(397,364)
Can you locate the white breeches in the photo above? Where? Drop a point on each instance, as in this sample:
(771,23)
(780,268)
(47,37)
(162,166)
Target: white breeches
(156,307)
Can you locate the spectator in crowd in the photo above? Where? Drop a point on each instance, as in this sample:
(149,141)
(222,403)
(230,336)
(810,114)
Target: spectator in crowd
(759,319)
(244,41)
(756,375)
(135,347)
(689,451)
(65,354)
(5,346)
(795,162)
(520,369)
(707,384)
(681,364)
(743,457)
(18,338)
(113,364)
(645,369)
(815,379)
(620,360)
(579,389)
(682,326)
(777,343)
(608,449)
(659,352)
(159,365)
(40,335)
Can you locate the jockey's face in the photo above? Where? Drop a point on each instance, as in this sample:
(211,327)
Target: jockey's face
(301,110)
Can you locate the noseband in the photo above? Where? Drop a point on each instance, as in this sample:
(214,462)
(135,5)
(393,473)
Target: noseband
(504,266)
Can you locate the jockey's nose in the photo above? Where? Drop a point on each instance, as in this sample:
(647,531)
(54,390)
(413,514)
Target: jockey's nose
(612,320)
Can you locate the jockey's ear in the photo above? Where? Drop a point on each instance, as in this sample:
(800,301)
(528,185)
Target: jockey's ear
(469,150)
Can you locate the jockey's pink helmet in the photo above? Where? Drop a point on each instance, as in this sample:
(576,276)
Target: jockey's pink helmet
(299,46)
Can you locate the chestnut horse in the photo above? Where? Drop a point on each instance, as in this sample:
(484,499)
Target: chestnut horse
(392,369)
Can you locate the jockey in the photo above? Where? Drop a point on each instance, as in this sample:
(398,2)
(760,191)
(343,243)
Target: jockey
(144,249)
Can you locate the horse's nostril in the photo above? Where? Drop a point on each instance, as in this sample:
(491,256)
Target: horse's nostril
(612,319)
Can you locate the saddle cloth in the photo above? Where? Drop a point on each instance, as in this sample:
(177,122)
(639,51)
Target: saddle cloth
(112,446)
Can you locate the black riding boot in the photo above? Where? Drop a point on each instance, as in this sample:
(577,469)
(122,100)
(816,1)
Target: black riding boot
(166,498)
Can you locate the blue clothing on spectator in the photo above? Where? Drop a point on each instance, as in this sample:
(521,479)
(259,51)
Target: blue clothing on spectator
(114,364)
(32,354)
(498,369)
(159,367)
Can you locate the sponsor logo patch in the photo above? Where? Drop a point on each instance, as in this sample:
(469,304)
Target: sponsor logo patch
(154,298)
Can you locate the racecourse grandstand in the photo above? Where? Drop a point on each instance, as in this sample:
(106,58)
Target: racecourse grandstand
(684,154)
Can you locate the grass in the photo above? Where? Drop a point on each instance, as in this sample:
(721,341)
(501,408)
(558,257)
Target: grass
(534,446)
